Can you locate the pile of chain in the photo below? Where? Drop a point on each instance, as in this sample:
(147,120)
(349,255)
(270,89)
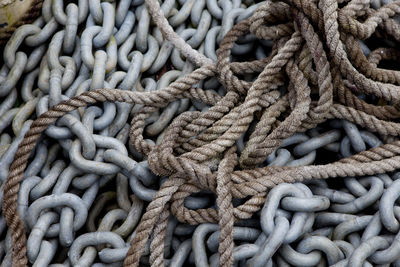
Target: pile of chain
(212,150)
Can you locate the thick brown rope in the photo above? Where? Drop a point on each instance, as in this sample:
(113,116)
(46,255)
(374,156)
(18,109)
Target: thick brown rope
(316,55)
(27,17)
(225,208)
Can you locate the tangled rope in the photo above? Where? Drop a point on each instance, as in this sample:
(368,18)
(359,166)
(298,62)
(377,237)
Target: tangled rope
(316,54)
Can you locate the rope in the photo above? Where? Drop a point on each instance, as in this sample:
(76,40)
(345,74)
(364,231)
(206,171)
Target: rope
(315,54)
(27,17)
(169,34)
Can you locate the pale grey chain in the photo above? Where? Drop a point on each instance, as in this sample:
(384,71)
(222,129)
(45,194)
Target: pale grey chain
(85,188)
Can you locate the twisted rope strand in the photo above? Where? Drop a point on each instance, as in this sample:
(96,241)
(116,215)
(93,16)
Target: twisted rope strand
(315,72)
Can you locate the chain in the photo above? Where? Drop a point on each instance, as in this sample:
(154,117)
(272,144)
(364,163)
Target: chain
(86,187)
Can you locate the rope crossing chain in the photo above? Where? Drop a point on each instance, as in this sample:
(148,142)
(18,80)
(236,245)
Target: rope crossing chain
(234,145)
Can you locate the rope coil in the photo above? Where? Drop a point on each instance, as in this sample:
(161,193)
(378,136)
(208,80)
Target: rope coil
(316,54)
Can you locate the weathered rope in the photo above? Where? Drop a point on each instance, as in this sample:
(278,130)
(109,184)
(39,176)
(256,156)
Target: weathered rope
(8,23)
(169,34)
(316,54)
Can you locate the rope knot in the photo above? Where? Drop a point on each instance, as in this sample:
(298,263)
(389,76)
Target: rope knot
(164,163)
(161,164)
(310,75)
(199,174)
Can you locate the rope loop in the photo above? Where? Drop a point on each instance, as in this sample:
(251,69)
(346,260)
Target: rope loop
(315,71)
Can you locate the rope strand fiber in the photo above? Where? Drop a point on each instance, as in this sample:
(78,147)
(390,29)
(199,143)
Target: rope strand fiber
(315,53)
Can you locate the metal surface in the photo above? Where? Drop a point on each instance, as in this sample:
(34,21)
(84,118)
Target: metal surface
(86,188)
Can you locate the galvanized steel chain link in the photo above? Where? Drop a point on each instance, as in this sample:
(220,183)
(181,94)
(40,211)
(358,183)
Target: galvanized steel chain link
(86,187)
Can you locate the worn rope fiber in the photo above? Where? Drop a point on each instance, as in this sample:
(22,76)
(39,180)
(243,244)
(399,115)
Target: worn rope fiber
(317,57)
(28,17)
